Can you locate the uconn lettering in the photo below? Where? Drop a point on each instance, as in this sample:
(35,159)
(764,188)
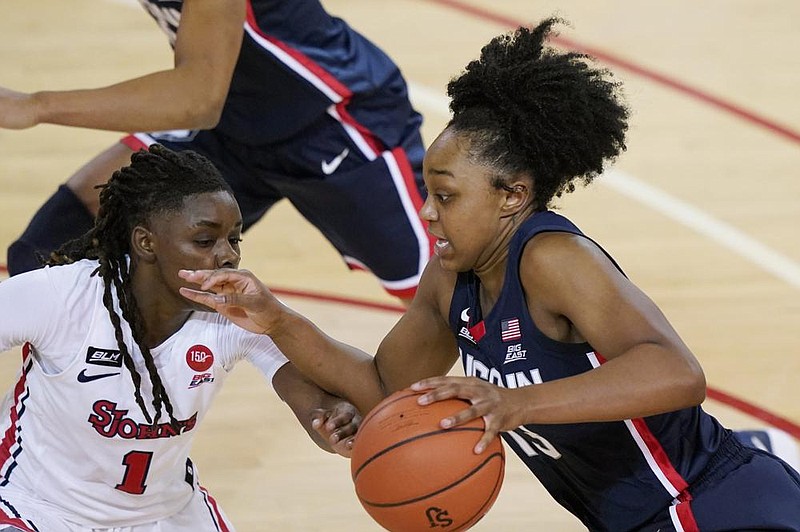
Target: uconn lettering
(110,422)
(516,379)
(528,442)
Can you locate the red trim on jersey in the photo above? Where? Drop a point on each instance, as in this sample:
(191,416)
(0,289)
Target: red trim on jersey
(478,331)
(215,513)
(6,519)
(9,436)
(133,143)
(662,460)
(685,514)
(324,76)
(402,293)
(369,137)
(411,185)
(656,450)
(356,266)
(408,176)
(337,86)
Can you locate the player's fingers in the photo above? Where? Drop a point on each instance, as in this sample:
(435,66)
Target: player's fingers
(194,276)
(440,393)
(487,438)
(461,417)
(318,418)
(208,279)
(211,300)
(343,418)
(344,448)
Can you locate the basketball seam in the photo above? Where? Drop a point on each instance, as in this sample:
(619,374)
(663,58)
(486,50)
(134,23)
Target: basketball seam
(375,411)
(440,490)
(489,502)
(408,440)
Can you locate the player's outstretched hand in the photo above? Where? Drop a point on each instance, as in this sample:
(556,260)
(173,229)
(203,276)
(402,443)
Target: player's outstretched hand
(488,401)
(17,109)
(236,294)
(338,425)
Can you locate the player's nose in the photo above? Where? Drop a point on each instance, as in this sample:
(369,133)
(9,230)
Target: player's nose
(227,256)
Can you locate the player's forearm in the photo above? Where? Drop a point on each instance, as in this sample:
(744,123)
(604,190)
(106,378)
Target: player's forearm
(159,101)
(643,382)
(341,369)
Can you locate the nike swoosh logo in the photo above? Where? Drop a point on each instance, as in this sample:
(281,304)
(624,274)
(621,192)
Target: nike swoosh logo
(757,443)
(330,167)
(83,377)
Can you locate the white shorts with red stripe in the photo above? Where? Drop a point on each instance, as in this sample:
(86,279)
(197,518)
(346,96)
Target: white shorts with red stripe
(20,511)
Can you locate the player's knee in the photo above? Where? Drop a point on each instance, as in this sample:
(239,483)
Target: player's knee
(62,218)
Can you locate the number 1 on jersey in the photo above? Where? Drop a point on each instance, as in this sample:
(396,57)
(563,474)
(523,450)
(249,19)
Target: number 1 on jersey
(137,465)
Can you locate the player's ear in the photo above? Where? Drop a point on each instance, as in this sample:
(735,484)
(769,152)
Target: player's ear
(518,195)
(142,244)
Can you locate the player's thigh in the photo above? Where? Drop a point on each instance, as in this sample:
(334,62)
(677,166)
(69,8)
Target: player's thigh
(21,511)
(96,172)
(201,514)
(237,162)
(370,214)
(762,493)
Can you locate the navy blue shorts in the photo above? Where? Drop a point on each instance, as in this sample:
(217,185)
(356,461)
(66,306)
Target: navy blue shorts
(744,489)
(364,198)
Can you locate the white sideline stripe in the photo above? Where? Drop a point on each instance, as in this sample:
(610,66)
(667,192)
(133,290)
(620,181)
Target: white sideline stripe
(724,234)
(673,208)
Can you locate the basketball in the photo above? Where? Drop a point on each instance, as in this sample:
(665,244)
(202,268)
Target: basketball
(410,474)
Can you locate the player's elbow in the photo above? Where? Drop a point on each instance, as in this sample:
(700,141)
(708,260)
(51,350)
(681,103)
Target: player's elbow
(693,385)
(205,113)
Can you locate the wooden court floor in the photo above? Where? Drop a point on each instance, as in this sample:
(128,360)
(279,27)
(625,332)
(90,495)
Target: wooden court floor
(702,211)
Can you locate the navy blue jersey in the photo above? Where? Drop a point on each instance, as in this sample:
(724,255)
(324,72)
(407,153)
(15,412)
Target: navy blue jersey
(611,475)
(318,115)
(297,62)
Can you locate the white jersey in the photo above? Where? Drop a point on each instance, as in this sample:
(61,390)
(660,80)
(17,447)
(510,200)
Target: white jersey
(73,434)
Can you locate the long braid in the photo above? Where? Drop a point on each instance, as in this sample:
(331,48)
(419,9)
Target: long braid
(156,181)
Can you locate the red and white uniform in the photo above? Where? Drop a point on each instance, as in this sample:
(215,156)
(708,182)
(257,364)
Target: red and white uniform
(74,440)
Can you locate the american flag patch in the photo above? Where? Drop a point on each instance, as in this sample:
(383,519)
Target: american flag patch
(509,330)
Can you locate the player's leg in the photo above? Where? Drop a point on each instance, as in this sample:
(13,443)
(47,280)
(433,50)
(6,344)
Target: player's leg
(755,492)
(20,511)
(363,198)
(201,514)
(232,159)
(772,440)
(67,214)
(742,488)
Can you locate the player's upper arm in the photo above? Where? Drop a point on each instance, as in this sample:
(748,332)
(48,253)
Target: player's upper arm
(421,344)
(207,47)
(576,293)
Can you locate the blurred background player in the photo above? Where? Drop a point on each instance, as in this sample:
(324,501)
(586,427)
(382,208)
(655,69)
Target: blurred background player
(287,101)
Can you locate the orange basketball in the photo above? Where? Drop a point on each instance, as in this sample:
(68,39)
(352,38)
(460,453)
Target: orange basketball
(410,474)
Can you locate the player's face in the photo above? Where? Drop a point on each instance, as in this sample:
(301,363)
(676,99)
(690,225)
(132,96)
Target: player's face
(204,235)
(463,209)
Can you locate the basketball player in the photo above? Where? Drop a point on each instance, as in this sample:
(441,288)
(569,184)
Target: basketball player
(579,371)
(119,369)
(287,101)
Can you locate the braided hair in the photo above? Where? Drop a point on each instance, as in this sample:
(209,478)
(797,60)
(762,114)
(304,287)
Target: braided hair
(529,109)
(157,181)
